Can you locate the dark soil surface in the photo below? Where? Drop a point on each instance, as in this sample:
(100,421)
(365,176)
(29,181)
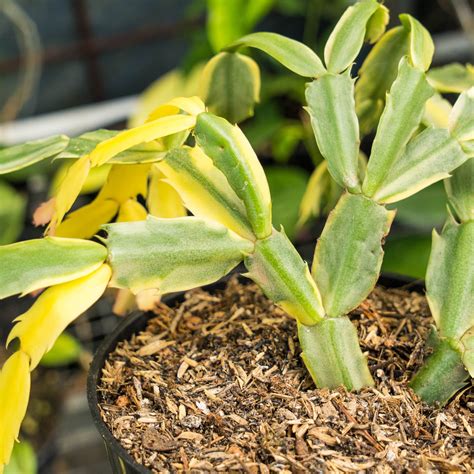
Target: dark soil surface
(217,384)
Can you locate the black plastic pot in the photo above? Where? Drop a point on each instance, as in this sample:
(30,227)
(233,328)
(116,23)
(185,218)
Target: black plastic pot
(120,460)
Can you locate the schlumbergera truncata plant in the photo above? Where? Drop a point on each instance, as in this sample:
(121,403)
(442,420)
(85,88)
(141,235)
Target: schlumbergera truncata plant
(184,155)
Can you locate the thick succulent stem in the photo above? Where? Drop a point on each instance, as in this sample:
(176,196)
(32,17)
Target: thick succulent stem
(442,375)
(332,354)
(331,349)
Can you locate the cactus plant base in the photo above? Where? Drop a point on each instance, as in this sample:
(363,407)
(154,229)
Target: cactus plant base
(225,390)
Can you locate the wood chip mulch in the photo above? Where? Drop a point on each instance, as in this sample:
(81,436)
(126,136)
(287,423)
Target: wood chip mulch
(217,385)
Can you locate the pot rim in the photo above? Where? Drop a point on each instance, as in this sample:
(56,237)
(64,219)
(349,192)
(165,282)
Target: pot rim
(134,323)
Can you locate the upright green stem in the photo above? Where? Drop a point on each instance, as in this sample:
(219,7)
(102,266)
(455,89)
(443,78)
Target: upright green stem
(330,346)
(442,375)
(332,354)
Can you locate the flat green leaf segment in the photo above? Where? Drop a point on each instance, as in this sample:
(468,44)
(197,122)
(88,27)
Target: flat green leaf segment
(450,279)
(331,107)
(454,78)
(85,144)
(33,264)
(204,189)
(349,253)
(284,277)
(172,254)
(364,19)
(332,354)
(421,43)
(20,156)
(231,152)
(400,118)
(461,120)
(428,158)
(377,74)
(230,86)
(442,375)
(292,54)
(460,191)
(12,213)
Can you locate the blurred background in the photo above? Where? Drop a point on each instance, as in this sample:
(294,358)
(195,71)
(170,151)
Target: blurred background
(69,66)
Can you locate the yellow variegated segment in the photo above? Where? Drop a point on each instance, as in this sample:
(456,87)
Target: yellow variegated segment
(131,210)
(191,105)
(14,395)
(86,221)
(69,190)
(95,180)
(461,120)
(54,310)
(232,153)
(169,85)
(452,78)
(163,199)
(437,111)
(204,189)
(34,264)
(467,342)
(421,43)
(149,131)
(283,276)
(125,182)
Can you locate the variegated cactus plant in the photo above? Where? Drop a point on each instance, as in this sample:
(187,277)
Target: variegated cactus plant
(185,158)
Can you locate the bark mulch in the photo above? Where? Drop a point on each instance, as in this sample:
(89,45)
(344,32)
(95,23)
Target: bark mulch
(217,384)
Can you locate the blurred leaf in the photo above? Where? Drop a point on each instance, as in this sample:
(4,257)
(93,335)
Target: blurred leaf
(230,86)
(20,156)
(292,54)
(437,111)
(453,77)
(424,210)
(286,141)
(407,255)
(461,120)
(12,213)
(23,460)
(376,76)
(287,187)
(228,20)
(460,191)
(66,350)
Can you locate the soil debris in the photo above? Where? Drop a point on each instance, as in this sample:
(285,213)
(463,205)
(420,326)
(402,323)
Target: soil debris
(231,394)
